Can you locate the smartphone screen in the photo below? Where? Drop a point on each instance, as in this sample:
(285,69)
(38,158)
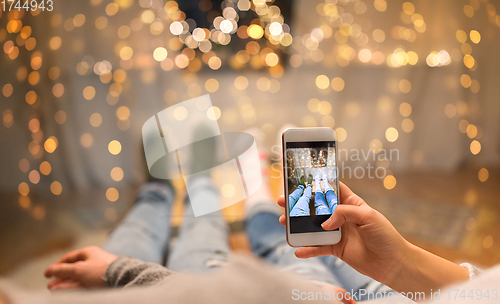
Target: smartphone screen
(312,184)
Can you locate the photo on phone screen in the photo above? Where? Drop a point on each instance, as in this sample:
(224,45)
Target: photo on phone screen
(312,183)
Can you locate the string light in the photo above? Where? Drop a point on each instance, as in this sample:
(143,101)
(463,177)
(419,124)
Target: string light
(264,39)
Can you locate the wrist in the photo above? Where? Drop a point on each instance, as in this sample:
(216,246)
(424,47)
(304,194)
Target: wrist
(402,266)
(112,271)
(418,270)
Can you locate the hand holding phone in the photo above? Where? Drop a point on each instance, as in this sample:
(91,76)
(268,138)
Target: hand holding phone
(371,245)
(369,242)
(311,185)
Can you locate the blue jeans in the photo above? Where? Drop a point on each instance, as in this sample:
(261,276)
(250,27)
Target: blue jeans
(302,206)
(294,197)
(145,233)
(268,240)
(331,198)
(320,204)
(203,245)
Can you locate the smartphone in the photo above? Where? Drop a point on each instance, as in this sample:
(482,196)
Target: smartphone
(311,185)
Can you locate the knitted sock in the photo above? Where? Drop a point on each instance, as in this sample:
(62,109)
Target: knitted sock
(303,180)
(326,185)
(317,181)
(309,178)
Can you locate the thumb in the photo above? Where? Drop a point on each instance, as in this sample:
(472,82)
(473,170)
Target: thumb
(64,270)
(347,213)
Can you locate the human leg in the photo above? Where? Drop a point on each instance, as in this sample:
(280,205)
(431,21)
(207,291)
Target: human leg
(267,240)
(331,197)
(320,204)
(351,280)
(302,206)
(144,233)
(295,196)
(203,241)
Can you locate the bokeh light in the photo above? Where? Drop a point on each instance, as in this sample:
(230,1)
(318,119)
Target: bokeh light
(390,182)
(483,175)
(114,147)
(95,120)
(246,51)
(24,189)
(112,194)
(117,174)
(45,168)
(391,134)
(56,188)
(341,134)
(475,147)
(322,82)
(338,84)
(160,54)
(86,140)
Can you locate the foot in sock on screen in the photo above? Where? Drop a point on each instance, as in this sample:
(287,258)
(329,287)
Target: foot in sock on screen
(303,180)
(317,182)
(310,179)
(326,186)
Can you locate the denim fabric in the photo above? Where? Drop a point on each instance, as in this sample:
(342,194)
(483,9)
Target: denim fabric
(145,232)
(331,198)
(203,245)
(203,242)
(302,206)
(320,203)
(268,240)
(294,197)
(353,281)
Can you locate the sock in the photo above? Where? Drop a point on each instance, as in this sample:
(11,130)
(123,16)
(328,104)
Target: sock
(317,182)
(326,186)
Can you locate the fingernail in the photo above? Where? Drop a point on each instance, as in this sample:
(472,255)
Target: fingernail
(326,223)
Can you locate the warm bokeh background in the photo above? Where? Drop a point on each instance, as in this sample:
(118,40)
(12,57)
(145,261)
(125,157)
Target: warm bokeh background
(418,76)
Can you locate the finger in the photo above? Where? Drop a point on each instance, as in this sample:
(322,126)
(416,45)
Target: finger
(344,191)
(283,220)
(74,256)
(346,297)
(58,282)
(281,201)
(70,257)
(349,299)
(54,282)
(62,270)
(309,252)
(67,284)
(347,197)
(347,213)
